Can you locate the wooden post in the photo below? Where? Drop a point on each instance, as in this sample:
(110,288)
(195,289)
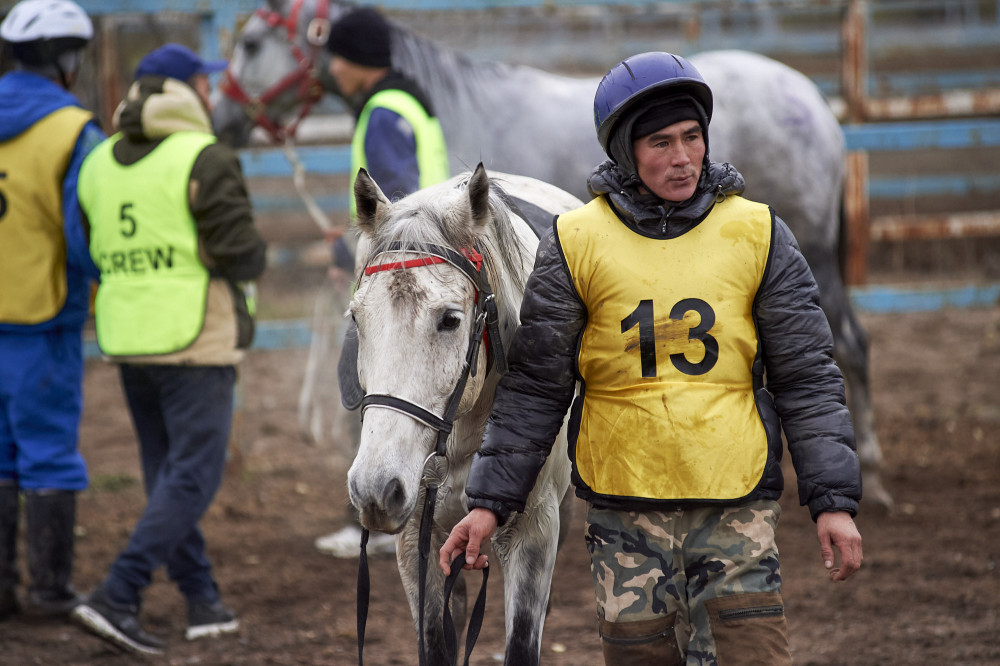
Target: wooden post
(108,68)
(857,217)
(854,63)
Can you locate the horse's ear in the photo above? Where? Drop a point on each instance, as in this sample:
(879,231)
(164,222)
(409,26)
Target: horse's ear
(479,197)
(372,203)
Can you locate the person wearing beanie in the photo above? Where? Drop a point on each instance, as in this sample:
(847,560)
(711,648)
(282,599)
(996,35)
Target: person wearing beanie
(682,324)
(172,232)
(45,280)
(397,136)
(398,140)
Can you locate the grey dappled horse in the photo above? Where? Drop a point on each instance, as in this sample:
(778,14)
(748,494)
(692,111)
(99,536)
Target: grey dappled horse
(415,323)
(770,121)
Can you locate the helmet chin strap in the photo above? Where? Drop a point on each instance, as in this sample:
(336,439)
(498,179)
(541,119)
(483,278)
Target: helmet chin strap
(68,63)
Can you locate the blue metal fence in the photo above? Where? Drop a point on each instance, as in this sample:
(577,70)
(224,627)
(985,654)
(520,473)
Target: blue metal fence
(977,26)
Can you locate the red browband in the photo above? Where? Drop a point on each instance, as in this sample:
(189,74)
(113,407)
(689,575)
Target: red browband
(471,255)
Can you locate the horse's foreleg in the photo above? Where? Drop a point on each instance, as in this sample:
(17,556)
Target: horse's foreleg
(310,418)
(328,324)
(527,551)
(407,559)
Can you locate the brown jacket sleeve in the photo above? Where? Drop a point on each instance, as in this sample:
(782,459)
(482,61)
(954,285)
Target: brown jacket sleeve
(222,211)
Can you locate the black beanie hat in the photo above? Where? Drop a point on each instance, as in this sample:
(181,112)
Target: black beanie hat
(663,115)
(361,37)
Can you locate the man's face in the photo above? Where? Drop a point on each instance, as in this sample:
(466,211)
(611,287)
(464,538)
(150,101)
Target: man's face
(203,87)
(669,160)
(349,77)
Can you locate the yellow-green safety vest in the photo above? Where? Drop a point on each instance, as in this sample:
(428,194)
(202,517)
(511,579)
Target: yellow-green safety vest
(668,409)
(32,242)
(143,238)
(432,152)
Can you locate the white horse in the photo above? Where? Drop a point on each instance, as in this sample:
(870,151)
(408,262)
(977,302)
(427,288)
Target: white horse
(416,322)
(770,121)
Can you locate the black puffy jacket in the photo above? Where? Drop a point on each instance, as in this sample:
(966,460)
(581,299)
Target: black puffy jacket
(803,384)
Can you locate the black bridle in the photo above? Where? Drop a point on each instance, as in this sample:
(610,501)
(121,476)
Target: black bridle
(485,328)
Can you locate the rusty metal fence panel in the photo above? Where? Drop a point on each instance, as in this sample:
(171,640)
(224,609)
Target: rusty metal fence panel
(881,64)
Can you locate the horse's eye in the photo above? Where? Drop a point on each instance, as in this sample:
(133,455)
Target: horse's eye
(251,46)
(449,321)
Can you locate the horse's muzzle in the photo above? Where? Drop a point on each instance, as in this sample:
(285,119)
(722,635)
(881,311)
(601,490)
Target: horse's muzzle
(383,511)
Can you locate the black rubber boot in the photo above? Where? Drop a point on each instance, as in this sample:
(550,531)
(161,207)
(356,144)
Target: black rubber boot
(51,517)
(9,576)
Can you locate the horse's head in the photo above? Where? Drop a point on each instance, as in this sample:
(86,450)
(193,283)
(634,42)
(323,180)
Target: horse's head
(419,316)
(277,72)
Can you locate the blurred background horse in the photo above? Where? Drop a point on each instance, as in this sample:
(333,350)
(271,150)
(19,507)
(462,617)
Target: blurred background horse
(770,121)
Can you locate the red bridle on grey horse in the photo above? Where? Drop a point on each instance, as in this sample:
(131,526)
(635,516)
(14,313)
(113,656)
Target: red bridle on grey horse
(304,79)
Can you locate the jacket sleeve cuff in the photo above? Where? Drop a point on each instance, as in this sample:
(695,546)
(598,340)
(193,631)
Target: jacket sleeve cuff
(502,512)
(833,503)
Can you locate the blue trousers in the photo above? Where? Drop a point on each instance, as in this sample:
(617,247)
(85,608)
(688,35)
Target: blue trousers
(41,399)
(182,416)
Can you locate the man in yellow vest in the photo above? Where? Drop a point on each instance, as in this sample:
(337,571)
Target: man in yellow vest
(398,140)
(692,323)
(172,231)
(45,276)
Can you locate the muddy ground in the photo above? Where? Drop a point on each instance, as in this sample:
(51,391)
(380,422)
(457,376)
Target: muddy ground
(928,593)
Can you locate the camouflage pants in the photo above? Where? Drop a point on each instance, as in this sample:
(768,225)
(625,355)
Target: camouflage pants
(698,586)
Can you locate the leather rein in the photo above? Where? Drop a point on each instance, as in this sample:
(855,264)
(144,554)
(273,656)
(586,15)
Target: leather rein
(485,330)
(304,78)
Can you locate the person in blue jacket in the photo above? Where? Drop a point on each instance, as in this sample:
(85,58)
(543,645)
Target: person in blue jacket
(45,276)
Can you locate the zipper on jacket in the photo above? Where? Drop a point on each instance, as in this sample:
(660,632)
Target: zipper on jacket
(753,611)
(637,640)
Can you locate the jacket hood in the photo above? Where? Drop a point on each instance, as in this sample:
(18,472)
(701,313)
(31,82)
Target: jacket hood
(156,107)
(648,211)
(26,98)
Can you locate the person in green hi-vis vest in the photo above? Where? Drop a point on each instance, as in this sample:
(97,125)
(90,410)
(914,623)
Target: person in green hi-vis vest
(398,140)
(172,231)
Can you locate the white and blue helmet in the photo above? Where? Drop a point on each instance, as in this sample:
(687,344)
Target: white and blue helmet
(47,33)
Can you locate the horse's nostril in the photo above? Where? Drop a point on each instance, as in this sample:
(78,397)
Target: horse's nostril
(394,496)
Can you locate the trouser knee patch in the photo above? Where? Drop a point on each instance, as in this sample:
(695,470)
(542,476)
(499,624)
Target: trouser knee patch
(642,643)
(749,629)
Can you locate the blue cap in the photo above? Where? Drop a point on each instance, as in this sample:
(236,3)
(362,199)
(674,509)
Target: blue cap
(177,62)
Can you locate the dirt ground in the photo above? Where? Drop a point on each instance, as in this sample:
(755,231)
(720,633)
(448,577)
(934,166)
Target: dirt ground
(928,593)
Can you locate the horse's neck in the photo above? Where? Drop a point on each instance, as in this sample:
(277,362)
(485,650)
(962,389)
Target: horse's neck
(444,73)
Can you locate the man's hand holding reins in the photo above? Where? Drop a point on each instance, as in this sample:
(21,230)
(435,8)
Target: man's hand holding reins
(469,535)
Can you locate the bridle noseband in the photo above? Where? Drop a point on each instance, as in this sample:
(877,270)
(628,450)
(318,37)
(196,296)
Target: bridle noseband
(485,330)
(304,78)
